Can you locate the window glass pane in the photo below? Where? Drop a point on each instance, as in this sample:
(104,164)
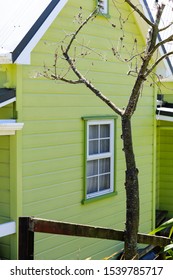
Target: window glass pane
(104,130)
(104,182)
(104,165)
(92,168)
(93,132)
(92,185)
(104,146)
(93,147)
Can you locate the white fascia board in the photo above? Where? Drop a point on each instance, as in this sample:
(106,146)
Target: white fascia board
(7,228)
(164,118)
(9,101)
(160,117)
(25,56)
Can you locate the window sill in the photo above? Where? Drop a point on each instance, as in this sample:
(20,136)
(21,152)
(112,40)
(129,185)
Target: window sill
(94,199)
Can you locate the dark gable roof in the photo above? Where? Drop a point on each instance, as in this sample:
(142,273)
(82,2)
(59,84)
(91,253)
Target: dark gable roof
(20,47)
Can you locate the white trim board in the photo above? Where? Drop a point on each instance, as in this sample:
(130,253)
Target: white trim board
(9,127)
(11,100)
(164,118)
(7,228)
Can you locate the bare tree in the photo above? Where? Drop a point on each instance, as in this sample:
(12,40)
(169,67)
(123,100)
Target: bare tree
(145,66)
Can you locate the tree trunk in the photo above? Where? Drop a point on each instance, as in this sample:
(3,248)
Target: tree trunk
(132,192)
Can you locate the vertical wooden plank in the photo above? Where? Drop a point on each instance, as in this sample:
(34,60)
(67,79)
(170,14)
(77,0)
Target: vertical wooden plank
(16,186)
(26,239)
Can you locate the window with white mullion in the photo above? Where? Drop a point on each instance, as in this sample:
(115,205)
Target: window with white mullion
(99,158)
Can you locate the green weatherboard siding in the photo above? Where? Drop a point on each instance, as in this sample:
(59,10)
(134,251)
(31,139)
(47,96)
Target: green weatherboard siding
(165,158)
(165,167)
(52,140)
(4,192)
(5,187)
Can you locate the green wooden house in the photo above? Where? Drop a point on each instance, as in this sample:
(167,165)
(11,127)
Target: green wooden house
(164,121)
(49,132)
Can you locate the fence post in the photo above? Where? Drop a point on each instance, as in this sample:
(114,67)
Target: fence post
(26,239)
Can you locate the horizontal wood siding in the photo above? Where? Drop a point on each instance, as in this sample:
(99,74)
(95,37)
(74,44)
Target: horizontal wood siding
(4,192)
(6,112)
(53,138)
(166,168)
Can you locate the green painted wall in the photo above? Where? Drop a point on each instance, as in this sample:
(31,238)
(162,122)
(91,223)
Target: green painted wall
(8,194)
(165,158)
(7,198)
(166,170)
(5,113)
(4,193)
(53,138)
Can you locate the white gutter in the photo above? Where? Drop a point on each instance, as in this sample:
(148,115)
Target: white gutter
(9,127)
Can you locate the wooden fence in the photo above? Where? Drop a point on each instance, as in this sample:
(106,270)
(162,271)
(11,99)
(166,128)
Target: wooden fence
(29,225)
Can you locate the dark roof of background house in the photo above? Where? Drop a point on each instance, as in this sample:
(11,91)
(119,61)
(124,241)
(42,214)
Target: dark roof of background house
(6,94)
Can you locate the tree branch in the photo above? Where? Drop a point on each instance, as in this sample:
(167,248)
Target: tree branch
(139,12)
(58,78)
(89,85)
(161,43)
(151,42)
(153,32)
(156,63)
(166,27)
(80,27)
(81,78)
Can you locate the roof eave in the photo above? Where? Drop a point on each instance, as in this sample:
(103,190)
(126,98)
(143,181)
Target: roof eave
(168,79)
(22,53)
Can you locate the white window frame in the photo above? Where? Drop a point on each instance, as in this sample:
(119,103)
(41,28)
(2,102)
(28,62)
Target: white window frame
(109,154)
(103,6)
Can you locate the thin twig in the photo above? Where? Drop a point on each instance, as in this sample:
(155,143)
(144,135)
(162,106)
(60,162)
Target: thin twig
(91,86)
(139,12)
(157,62)
(80,27)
